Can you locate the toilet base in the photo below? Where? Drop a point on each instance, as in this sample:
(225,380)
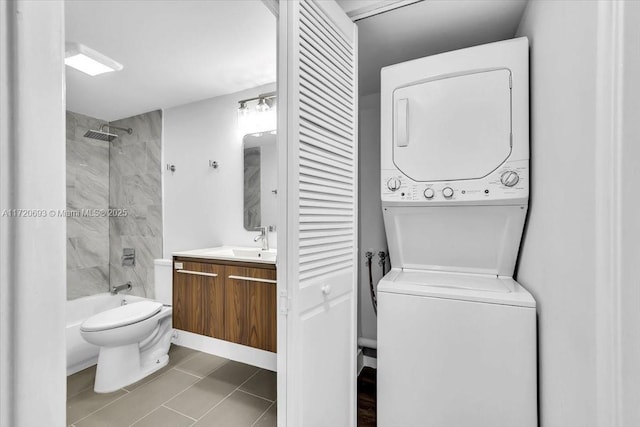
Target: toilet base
(120,366)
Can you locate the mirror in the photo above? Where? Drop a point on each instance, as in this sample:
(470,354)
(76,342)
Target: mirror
(260,180)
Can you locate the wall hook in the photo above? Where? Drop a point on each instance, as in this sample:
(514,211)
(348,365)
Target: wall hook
(171,167)
(213,164)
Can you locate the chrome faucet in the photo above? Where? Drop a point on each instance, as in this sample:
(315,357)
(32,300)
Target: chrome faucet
(125,287)
(264,236)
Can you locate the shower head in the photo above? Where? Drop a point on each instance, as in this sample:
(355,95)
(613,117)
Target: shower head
(102,135)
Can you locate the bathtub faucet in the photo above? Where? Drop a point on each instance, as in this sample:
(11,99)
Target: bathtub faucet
(125,287)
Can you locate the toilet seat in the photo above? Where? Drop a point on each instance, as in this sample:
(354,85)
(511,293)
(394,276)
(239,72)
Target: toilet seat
(121,316)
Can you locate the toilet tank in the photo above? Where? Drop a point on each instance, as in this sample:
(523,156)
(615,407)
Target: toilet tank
(163,280)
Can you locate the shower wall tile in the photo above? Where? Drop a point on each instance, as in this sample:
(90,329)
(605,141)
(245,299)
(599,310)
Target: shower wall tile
(87,188)
(94,280)
(135,184)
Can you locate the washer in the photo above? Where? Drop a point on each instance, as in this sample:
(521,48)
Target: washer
(456,333)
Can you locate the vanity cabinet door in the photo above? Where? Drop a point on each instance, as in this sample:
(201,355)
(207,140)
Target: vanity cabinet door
(198,298)
(250,310)
(214,301)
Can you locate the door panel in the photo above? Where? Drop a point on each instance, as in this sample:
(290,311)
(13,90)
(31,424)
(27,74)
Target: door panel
(213,290)
(457,127)
(261,310)
(188,291)
(316,271)
(250,316)
(235,306)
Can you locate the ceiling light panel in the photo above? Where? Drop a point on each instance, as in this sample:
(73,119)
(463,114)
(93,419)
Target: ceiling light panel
(89,61)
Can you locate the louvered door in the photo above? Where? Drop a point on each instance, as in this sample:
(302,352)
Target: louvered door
(317,89)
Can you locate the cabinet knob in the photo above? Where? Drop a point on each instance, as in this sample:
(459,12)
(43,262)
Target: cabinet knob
(326,289)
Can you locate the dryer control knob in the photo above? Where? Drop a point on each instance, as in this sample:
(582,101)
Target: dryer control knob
(509,178)
(393,184)
(429,193)
(447,192)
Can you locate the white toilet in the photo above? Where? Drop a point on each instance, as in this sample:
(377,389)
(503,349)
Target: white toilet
(134,339)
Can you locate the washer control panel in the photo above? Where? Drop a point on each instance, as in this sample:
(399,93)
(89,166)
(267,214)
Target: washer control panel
(509,181)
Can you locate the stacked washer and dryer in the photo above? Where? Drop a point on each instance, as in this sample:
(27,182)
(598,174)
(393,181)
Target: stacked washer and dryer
(456,333)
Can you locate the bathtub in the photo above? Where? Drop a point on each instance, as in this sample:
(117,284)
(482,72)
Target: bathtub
(81,354)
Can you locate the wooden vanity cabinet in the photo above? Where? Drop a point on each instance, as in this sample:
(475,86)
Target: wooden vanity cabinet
(232,301)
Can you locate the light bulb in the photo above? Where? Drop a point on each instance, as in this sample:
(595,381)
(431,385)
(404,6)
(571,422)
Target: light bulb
(262,106)
(243,110)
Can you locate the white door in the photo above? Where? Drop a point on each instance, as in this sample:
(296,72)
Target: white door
(317,144)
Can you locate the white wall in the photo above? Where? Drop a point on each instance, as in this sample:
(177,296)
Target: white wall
(557,257)
(203,206)
(371,227)
(32,250)
(630,298)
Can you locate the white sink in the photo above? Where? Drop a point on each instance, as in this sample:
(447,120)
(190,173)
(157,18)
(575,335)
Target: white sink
(232,253)
(268,255)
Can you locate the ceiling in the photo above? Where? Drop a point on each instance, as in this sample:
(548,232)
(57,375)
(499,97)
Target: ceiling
(177,52)
(173,52)
(427,28)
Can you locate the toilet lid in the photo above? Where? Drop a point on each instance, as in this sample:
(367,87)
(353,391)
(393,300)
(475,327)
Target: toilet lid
(121,316)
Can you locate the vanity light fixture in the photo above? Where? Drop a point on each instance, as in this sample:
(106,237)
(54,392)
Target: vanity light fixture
(89,61)
(265,102)
(259,119)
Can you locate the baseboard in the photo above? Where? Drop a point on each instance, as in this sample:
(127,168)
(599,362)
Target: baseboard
(239,353)
(368,361)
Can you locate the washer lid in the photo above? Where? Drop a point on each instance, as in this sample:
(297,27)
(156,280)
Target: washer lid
(458,286)
(121,316)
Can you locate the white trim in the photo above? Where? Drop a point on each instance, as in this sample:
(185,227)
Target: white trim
(608,169)
(239,353)
(272,5)
(368,361)
(378,7)
(7,328)
(284,101)
(32,176)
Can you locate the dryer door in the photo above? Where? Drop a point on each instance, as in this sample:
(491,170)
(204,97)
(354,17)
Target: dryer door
(452,128)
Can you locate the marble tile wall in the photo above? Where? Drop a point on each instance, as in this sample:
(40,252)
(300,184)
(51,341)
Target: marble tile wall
(87,188)
(135,184)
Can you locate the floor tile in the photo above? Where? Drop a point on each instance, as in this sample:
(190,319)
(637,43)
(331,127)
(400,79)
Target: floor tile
(88,401)
(234,372)
(163,417)
(178,354)
(200,397)
(201,364)
(80,381)
(270,418)
(238,410)
(141,401)
(263,384)
(147,379)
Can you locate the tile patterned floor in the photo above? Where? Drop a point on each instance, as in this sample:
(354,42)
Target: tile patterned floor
(194,389)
